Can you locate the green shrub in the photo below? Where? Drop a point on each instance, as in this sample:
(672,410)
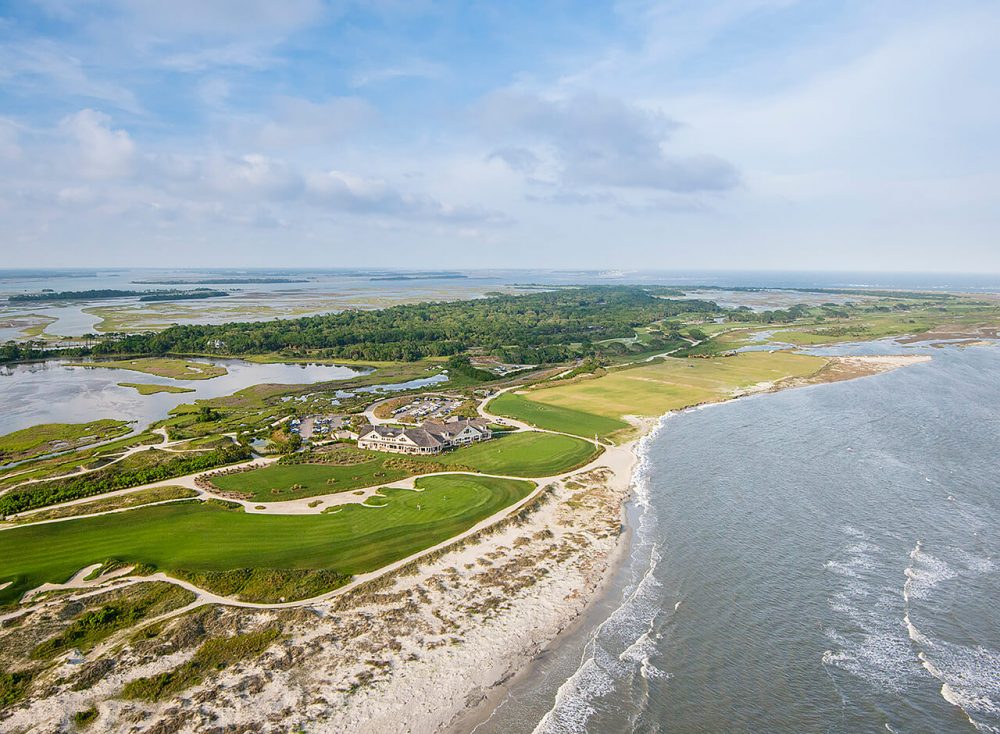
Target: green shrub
(13,686)
(85,718)
(214,655)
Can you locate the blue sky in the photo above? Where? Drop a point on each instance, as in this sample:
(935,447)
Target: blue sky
(757,134)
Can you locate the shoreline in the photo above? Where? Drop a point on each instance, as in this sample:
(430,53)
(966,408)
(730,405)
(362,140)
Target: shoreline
(837,370)
(451,669)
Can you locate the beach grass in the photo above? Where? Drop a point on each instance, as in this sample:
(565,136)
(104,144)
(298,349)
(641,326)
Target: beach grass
(198,537)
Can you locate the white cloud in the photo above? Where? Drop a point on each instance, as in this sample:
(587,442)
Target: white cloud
(416,69)
(99,151)
(302,122)
(9,139)
(598,140)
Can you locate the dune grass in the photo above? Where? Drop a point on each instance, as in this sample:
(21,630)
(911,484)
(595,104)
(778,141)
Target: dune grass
(215,654)
(197,537)
(95,625)
(526,454)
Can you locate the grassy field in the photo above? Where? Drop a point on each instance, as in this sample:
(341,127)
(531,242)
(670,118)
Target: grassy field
(49,437)
(671,384)
(198,537)
(528,454)
(147,388)
(176,369)
(118,502)
(555,418)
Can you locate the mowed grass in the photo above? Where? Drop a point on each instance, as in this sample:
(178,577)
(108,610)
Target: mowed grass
(525,454)
(555,418)
(193,536)
(674,384)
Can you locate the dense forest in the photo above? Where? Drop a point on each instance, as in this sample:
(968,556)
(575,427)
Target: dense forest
(540,327)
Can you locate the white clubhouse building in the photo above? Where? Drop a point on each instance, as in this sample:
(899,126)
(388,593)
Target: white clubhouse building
(430,438)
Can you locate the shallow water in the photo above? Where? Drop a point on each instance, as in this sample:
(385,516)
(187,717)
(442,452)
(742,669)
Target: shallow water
(51,392)
(819,560)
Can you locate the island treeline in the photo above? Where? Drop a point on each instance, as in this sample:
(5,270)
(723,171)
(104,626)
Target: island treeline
(530,329)
(93,295)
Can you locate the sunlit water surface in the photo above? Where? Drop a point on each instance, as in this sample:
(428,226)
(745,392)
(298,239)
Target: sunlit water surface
(825,559)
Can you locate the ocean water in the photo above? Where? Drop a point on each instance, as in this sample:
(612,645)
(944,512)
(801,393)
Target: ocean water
(824,559)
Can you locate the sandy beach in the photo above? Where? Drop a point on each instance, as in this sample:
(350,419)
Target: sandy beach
(414,650)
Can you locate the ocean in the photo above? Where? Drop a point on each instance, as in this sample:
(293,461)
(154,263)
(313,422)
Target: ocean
(825,559)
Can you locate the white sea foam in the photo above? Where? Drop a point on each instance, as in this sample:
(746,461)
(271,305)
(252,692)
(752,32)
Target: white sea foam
(924,573)
(628,627)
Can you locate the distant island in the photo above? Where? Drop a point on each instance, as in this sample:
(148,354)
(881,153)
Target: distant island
(171,295)
(424,276)
(221,281)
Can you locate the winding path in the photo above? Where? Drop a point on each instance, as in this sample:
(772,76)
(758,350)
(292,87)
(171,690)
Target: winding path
(615,458)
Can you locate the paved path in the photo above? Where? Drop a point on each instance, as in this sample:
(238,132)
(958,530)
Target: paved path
(611,457)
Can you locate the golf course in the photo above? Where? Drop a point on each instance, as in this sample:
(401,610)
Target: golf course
(524,454)
(202,537)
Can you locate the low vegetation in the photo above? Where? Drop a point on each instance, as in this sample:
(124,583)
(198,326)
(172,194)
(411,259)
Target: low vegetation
(266,585)
(214,655)
(148,388)
(95,625)
(83,719)
(176,369)
(555,418)
(118,502)
(13,686)
(659,387)
(50,437)
(144,467)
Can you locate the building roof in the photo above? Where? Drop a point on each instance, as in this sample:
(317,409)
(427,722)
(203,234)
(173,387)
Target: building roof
(430,435)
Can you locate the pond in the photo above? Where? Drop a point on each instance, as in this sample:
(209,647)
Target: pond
(52,392)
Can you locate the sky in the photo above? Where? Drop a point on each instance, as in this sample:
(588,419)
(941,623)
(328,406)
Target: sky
(734,134)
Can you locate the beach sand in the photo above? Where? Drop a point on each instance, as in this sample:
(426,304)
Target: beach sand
(415,650)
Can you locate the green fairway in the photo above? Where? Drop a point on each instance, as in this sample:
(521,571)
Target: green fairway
(526,454)
(659,387)
(555,418)
(191,536)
